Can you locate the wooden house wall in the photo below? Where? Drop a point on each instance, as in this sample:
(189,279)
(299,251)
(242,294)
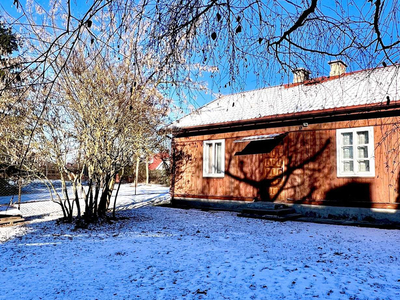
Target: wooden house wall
(302,169)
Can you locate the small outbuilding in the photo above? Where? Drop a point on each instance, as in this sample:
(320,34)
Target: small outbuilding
(328,142)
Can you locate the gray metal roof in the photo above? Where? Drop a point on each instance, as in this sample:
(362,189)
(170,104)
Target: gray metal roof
(352,89)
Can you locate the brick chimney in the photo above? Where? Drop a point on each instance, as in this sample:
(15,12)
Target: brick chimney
(338,68)
(300,75)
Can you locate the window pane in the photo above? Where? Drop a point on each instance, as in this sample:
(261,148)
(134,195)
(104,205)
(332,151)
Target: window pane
(363,152)
(209,158)
(348,152)
(363,166)
(348,166)
(347,138)
(363,137)
(218,158)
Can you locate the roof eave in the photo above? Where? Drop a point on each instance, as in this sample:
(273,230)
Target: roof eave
(348,110)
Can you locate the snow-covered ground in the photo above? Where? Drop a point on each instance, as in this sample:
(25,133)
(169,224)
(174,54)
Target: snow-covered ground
(38,200)
(167,253)
(38,191)
(34,191)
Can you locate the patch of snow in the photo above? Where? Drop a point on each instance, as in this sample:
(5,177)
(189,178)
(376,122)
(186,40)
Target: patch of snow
(167,253)
(34,191)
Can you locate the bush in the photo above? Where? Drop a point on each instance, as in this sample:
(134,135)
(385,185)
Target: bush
(159,176)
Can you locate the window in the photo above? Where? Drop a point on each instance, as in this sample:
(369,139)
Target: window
(355,152)
(213,158)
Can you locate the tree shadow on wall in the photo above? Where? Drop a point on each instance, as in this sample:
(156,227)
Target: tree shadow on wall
(278,182)
(350,194)
(180,162)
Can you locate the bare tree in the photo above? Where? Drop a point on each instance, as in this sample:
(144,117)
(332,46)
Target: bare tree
(102,100)
(238,37)
(100,115)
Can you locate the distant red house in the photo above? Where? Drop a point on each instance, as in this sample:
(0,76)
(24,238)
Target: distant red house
(159,161)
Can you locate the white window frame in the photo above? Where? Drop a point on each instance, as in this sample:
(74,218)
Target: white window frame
(370,148)
(206,159)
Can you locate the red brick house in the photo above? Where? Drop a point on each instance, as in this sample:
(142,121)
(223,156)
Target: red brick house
(331,141)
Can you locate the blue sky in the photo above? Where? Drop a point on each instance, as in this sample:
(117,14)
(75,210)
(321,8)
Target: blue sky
(275,75)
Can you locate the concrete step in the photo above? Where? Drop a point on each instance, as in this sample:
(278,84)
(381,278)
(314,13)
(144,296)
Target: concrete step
(286,217)
(270,211)
(278,212)
(265,205)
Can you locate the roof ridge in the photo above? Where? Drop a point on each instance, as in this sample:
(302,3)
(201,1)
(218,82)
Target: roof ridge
(322,79)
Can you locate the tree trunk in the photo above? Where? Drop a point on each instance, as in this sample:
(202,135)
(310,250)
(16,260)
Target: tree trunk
(105,195)
(67,203)
(147,171)
(137,172)
(75,191)
(88,199)
(116,194)
(96,196)
(69,208)
(19,192)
